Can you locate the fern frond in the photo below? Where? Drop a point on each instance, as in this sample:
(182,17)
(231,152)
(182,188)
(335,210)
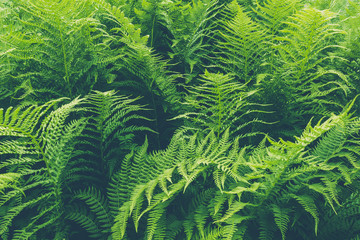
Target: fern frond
(221,103)
(58,43)
(281,219)
(120,222)
(273,13)
(25,234)
(308,204)
(233,209)
(86,221)
(98,205)
(6,221)
(191,30)
(266,226)
(40,142)
(242,42)
(8,180)
(154,223)
(256,187)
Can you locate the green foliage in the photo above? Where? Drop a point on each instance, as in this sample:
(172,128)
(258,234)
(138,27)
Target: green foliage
(274,13)
(218,104)
(192,29)
(301,83)
(243,43)
(8,180)
(134,67)
(344,224)
(42,158)
(145,119)
(109,126)
(107,138)
(57,44)
(38,143)
(278,182)
(349,17)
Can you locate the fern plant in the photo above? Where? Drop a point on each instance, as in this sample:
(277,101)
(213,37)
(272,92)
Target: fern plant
(47,165)
(106,140)
(282,53)
(111,129)
(340,224)
(136,68)
(37,145)
(349,19)
(152,15)
(262,190)
(221,103)
(193,26)
(8,180)
(58,44)
(225,69)
(272,14)
(302,85)
(242,44)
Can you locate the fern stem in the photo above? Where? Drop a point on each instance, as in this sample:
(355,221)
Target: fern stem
(101,145)
(156,119)
(220,111)
(152,31)
(67,79)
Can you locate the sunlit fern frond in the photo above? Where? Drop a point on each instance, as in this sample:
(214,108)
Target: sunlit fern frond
(242,43)
(303,81)
(307,36)
(272,14)
(57,42)
(220,103)
(263,189)
(8,180)
(38,143)
(161,184)
(193,28)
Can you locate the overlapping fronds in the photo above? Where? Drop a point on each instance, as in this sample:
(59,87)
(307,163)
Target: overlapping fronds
(272,14)
(38,143)
(242,44)
(105,141)
(200,82)
(220,103)
(112,124)
(58,44)
(301,83)
(192,29)
(264,188)
(136,57)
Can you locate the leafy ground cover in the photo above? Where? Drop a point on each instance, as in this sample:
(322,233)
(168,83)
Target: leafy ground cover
(177,119)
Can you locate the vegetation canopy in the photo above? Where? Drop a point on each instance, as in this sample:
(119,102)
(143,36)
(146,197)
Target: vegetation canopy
(178,119)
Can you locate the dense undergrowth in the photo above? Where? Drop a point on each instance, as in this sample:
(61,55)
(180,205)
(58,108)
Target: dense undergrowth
(178,119)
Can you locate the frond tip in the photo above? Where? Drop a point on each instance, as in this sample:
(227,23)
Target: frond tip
(8,180)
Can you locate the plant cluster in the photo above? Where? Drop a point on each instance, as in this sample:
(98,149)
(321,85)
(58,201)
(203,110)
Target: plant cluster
(178,119)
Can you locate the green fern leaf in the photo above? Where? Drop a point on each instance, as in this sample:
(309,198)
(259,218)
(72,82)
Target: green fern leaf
(308,204)
(281,218)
